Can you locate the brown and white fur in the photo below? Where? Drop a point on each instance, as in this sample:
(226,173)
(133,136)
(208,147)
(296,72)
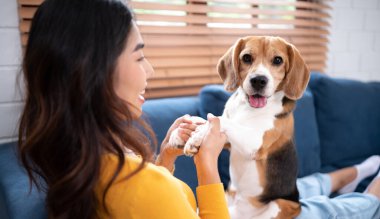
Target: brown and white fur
(268,75)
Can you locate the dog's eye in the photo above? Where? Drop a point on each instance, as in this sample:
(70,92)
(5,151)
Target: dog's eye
(277,60)
(247,58)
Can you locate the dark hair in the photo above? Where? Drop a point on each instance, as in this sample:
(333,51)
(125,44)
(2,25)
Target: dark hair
(72,115)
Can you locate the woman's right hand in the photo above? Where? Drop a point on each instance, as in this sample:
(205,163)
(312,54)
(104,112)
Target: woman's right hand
(206,160)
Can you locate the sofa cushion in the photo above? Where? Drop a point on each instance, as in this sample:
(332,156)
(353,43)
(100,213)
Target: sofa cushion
(214,97)
(348,119)
(15,200)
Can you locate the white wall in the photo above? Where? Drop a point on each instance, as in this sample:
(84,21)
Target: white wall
(354,49)
(10,59)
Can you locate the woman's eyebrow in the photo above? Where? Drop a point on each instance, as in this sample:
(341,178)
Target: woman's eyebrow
(139,46)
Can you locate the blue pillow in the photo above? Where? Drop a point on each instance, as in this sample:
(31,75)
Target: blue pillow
(348,114)
(214,97)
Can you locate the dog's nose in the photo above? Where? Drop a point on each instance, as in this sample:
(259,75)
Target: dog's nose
(259,82)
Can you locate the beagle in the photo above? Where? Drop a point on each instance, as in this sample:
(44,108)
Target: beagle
(268,75)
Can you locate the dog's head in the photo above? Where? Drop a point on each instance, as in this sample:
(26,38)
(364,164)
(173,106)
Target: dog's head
(262,66)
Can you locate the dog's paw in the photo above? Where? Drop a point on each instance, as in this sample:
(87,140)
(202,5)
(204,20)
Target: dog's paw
(190,149)
(193,144)
(175,140)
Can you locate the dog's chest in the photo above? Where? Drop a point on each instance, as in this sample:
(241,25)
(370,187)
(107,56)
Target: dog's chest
(245,128)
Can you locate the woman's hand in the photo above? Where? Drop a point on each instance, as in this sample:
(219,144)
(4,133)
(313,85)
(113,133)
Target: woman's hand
(168,153)
(206,160)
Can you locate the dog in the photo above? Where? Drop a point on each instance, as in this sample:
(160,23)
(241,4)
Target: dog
(267,75)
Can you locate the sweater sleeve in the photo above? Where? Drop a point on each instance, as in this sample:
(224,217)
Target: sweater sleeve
(212,202)
(155,193)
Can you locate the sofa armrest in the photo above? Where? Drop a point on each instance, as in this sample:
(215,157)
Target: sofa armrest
(16,199)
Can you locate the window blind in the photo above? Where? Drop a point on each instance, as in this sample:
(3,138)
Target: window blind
(185,38)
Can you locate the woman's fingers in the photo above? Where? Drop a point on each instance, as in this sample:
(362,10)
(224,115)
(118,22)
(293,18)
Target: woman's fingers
(182,119)
(188,126)
(177,122)
(215,125)
(185,125)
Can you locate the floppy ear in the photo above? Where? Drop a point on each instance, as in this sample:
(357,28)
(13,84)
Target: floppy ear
(297,74)
(228,67)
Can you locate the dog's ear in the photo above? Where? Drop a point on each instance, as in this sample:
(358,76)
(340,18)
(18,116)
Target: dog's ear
(228,66)
(297,74)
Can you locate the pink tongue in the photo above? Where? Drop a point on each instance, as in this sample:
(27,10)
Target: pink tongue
(257,102)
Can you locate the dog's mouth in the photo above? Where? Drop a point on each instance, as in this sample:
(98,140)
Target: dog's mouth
(257,101)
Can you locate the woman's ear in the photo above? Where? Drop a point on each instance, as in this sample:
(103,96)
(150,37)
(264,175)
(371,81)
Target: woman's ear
(297,74)
(228,66)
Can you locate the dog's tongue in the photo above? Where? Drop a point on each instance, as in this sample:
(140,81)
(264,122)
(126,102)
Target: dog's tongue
(257,101)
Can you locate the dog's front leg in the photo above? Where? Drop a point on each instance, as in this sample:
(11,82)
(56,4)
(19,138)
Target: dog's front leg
(193,144)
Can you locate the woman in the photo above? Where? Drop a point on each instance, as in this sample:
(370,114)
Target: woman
(81,137)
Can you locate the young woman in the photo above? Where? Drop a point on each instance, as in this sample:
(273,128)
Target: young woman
(81,138)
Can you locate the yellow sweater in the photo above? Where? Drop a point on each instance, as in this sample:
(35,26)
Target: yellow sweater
(155,193)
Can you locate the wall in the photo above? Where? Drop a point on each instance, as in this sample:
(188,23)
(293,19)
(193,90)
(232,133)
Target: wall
(354,50)
(10,59)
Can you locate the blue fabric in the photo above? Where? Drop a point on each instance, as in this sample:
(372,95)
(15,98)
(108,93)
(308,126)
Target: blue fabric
(306,136)
(348,119)
(314,185)
(15,200)
(214,97)
(315,202)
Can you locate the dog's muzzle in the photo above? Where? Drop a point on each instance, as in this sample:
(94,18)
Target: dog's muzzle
(258,83)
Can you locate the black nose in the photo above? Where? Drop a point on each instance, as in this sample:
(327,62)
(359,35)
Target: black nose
(259,82)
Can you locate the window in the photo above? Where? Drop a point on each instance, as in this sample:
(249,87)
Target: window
(185,38)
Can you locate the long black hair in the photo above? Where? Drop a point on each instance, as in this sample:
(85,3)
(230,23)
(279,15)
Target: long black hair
(72,115)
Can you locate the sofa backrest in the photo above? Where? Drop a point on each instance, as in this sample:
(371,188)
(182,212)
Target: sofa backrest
(348,115)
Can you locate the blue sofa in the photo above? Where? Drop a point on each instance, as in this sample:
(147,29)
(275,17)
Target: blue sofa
(337,124)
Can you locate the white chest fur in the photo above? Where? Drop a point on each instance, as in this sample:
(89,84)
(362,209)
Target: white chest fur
(245,128)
